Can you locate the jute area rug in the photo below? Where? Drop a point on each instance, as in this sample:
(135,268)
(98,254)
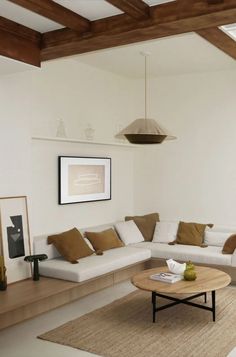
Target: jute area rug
(124,328)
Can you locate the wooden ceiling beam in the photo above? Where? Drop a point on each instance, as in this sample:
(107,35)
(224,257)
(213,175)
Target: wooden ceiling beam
(213,2)
(19,42)
(168,19)
(220,40)
(136,9)
(55,12)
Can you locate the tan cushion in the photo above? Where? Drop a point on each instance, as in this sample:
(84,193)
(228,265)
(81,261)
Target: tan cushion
(70,245)
(230,245)
(104,240)
(146,224)
(191,233)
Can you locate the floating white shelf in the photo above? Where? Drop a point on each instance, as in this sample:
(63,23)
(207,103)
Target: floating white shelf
(80,141)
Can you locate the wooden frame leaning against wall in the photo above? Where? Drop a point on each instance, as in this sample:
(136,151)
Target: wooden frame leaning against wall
(15,237)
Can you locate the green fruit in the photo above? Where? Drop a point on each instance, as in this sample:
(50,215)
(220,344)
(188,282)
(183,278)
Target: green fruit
(189,265)
(190,274)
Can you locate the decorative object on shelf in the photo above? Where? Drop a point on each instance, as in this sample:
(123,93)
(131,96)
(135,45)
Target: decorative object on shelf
(61,131)
(3,277)
(190,272)
(89,132)
(35,259)
(15,237)
(118,138)
(84,179)
(144,130)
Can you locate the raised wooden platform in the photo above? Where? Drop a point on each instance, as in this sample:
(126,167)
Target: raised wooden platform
(26,299)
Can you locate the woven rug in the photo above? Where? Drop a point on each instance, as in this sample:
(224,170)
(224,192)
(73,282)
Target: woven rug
(124,328)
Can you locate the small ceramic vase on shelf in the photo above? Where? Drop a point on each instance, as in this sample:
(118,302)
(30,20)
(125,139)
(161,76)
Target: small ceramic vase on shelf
(61,131)
(3,278)
(89,132)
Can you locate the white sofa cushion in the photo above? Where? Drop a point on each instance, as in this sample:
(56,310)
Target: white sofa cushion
(234,259)
(94,265)
(40,246)
(129,232)
(165,232)
(217,239)
(209,255)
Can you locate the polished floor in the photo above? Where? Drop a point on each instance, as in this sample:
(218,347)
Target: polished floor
(20,340)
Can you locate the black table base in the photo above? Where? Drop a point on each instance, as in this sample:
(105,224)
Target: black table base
(183,301)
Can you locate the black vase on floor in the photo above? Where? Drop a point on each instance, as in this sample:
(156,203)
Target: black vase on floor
(3,284)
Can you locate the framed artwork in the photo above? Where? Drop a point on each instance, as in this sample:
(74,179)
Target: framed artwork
(15,237)
(84,179)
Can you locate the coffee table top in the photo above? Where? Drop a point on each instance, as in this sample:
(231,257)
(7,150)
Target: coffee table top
(208,279)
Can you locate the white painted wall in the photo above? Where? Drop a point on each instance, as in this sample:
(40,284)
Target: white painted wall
(194,177)
(31,103)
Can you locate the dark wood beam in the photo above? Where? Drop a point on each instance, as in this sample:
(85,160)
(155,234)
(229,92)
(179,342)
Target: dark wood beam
(136,9)
(165,20)
(213,2)
(219,39)
(55,12)
(19,42)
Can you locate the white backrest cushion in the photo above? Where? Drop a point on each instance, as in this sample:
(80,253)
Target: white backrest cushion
(216,239)
(88,243)
(129,232)
(165,232)
(217,235)
(100,228)
(40,246)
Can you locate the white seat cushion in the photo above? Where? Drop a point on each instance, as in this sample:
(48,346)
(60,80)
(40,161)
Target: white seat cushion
(94,265)
(209,255)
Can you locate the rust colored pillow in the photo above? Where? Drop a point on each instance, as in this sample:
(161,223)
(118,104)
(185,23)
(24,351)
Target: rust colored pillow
(230,245)
(70,245)
(104,240)
(146,224)
(191,233)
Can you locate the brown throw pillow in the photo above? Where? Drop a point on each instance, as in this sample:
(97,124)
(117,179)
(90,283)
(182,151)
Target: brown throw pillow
(104,240)
(146,224)
(191,233)
(230,245)
(70,245)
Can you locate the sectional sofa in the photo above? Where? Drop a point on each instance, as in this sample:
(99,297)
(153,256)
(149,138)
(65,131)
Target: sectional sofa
(122,263)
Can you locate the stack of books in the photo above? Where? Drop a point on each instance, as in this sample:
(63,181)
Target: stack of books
(167,277)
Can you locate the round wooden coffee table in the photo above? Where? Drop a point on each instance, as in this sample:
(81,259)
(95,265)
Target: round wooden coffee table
(208,280)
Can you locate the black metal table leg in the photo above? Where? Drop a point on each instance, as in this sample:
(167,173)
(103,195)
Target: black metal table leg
(153,307)
(185,301)
(213,297)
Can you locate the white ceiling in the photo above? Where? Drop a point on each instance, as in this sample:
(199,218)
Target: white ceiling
(27,18)
(90,9)
(169,56)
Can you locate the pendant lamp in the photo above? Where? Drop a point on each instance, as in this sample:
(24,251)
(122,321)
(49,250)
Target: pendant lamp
(144,130)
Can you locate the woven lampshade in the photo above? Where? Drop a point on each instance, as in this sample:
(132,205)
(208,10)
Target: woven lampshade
(145,131)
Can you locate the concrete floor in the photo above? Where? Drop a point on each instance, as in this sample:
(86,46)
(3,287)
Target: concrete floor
(20,340)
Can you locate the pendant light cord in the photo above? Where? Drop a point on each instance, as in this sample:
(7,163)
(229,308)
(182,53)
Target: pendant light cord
(145,87)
